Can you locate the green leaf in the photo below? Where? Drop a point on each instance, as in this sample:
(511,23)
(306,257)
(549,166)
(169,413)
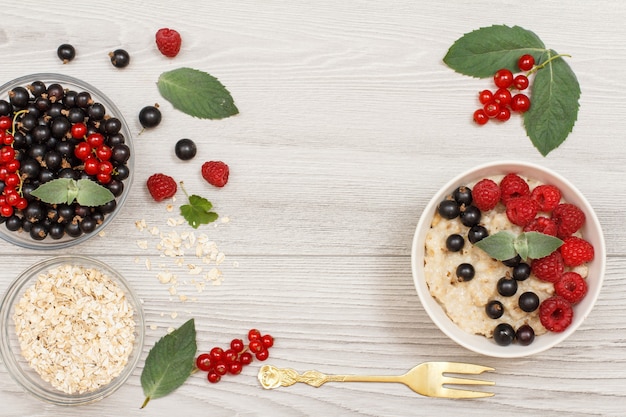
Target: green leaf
(196,93)
(499,246)
(170,362)
(540,245)
(521,246)
(554,96)
(64,190)
(198,211)
(482,52)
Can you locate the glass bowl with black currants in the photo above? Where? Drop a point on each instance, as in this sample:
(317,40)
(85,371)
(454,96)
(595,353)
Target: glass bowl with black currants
(66,161)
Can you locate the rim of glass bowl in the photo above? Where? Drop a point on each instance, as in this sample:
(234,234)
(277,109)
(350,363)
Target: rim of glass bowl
(18,367)
(480,344)
(23,239)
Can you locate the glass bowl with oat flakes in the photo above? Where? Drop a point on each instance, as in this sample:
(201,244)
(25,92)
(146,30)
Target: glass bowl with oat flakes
(72,330)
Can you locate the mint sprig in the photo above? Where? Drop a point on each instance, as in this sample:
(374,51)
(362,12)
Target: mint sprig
(505,245)
(555,90)
(65,190)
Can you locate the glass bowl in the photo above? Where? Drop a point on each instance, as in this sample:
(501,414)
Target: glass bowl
(591,231)
(32,141)
(10,347)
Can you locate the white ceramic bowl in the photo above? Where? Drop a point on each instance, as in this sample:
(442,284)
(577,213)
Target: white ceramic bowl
(591,230)
(10,350)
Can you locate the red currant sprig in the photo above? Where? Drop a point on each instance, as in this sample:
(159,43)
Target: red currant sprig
(94,153)
(219,362)
(499,104)
(11,198)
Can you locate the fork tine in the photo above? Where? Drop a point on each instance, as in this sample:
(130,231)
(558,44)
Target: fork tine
(462,368)
(462,393)
(465,381)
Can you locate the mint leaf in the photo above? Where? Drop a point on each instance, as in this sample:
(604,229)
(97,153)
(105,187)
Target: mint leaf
(196,93)
(170,362)
(64,190)
(484,51)
(499,246)
(540,245)
(521,246)
(198,211)
(554,95)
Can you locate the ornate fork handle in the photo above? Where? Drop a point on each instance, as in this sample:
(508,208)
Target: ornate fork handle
(272,377)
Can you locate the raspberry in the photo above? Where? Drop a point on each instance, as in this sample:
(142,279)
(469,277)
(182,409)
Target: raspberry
(215,173)
(548,197)
(168,41)
(543,225)
(161,186)
(556,314)
(569,218)
(521,210)
(576,251)
(512,186)
(549,268)
(486,194)
(572,286)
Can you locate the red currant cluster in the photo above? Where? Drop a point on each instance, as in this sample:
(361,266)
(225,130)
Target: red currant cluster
(219,362)
(500,103)
(93,152)
(11,197)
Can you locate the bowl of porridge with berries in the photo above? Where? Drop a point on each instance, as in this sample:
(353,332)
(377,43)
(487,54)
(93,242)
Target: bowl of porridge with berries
(508,259)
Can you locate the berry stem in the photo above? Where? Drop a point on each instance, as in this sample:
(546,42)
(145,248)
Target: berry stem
(543,64)
(182,187)
(15,116)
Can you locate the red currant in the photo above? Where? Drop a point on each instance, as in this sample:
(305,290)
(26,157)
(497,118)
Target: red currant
(203,362)
(502,96)
(526,62)
(237,345)
(213,377)
(230,356)
(103,178)
(82,150)
(262,355)
(13,166)
(105,167)
(91,166)
(13,199)
(235,368)
(254,334)
(6,210)
(95,140)
(256,346)
(5,122)
(7,139)
(245,358)
(221,368)
(78,131)
(521,82)
(21,204)
(216,354)
(480,117)
(485,96)
(504,114)
(7,154)
(103,152)
(520,103)
(491,109)
(267,340)
(12,180)
(503,78)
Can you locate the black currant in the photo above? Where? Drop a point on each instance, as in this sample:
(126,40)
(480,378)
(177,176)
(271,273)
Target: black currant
(73,229)
(521,271)
(121,172)
(53,160)
(120,153)
(462,195)
(38,231)
(13,223)
(96,111)
(37,88)
(525,335)
(494,309)
(455,242)
(34,212)
(470,216)
(55,92)
(76,115)
(149,116)
(65,212)
(185,149)
(504,334)
(449,209)
(116,187)
(30,168)
(87,225)
(528,301)
(477,233)
(19,97)
(513,261)
(69,100)
(56,231)
(507,286)
(112,125)
(28,121)
(66,52)
(108,207)
(5,108)
(465,271)
(60,127)
(83,99)
(119,58)
(116,139)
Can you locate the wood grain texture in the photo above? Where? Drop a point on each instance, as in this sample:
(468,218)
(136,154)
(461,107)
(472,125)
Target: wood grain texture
(349,122)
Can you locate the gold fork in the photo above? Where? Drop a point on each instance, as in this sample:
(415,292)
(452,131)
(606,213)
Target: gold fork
(426,379)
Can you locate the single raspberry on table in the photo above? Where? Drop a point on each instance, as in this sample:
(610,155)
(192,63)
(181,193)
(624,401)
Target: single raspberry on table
(486,194)
(549,268)
(548,196)
(556,314)
(542,224)
(576,251)
(521,210)
(569,218)
(215,173)
(161,186)
(572,286)
(513,186)
(168,41)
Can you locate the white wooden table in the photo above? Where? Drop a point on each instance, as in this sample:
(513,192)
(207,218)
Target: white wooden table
(349,122)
